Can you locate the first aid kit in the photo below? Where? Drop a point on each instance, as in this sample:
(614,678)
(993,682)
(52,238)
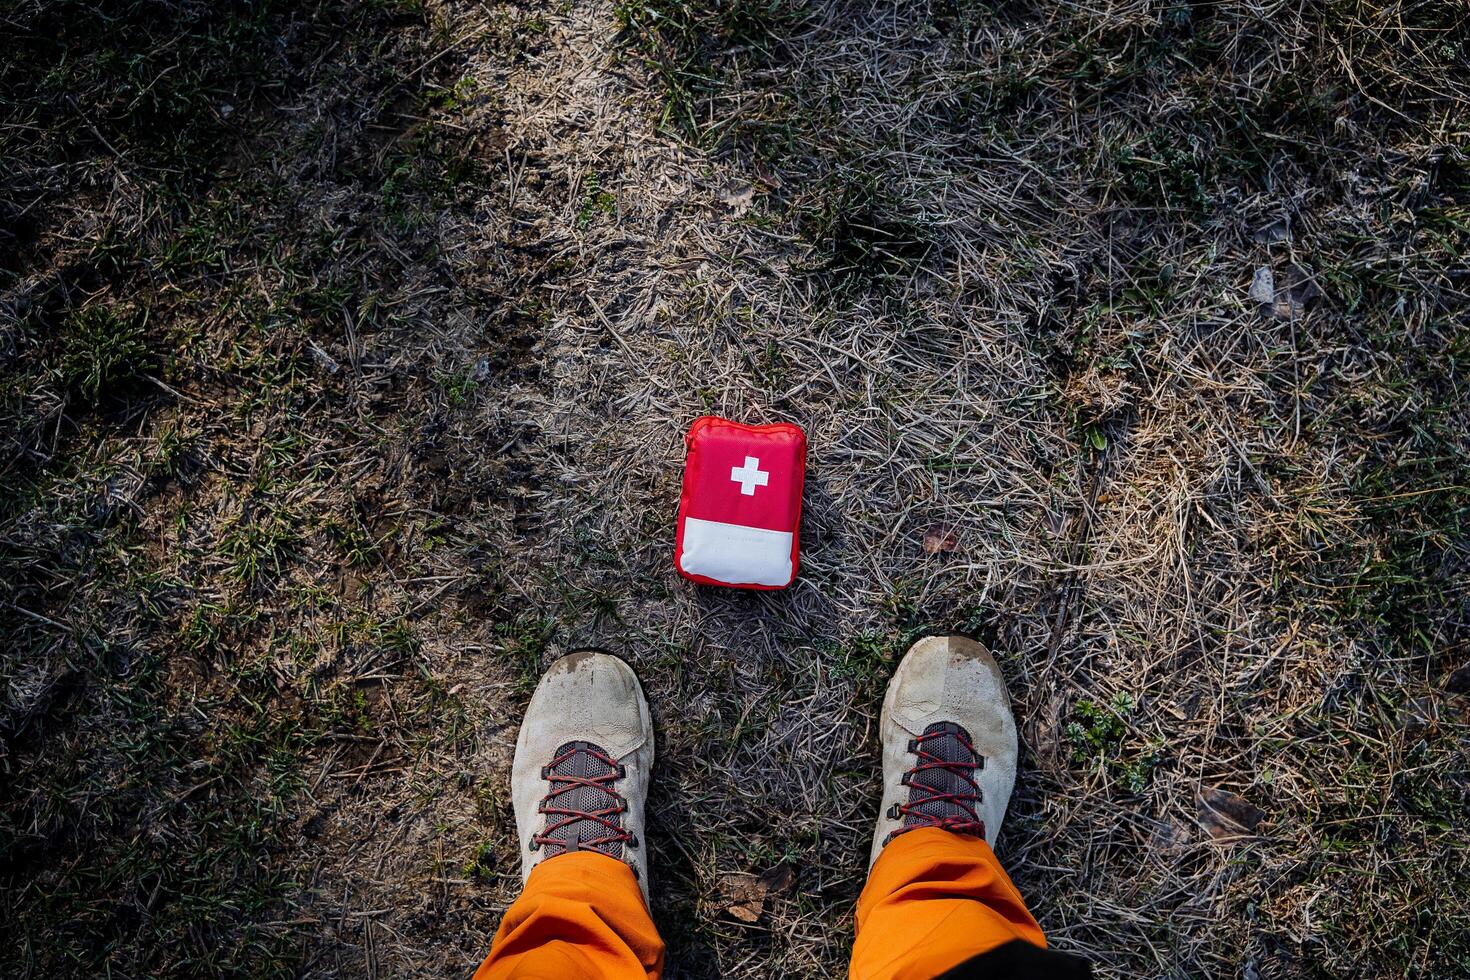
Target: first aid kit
(740,510)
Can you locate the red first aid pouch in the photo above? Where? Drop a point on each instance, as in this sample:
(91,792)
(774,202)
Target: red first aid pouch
(740,512)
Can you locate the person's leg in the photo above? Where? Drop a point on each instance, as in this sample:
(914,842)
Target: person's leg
(578,782)
(933,900)
(581,915)
(936,898)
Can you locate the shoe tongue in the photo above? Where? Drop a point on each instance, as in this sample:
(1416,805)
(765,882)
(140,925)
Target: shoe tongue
(945,742)
(584,760)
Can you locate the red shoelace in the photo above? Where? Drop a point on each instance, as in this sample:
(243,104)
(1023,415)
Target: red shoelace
(922,798)
(561,816)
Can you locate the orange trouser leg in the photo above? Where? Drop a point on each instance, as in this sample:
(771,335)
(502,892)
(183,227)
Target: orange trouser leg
(580,915)
(933,900)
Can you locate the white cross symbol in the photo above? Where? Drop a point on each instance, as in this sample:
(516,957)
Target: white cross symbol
(750,476)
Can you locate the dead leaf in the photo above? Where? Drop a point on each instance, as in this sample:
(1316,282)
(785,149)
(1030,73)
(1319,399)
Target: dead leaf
(1263,286)
(737,194)
(745,896)
(1299,292)
(327,361)
(939,538)
(1459,680)
(1171,836)
(1419,714)
(780,879)
(1227,814)
(1276,231)
(1057,522)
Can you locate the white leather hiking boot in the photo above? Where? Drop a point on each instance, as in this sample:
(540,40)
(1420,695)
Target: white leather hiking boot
(949,743)
(582,764)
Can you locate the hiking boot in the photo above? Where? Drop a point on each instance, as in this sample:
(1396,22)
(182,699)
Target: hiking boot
(949,743)
(582,764)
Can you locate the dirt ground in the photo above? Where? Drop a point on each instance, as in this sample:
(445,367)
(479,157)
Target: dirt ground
(345,356)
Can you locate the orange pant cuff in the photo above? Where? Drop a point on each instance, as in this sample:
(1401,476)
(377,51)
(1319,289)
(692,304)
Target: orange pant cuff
(933,900)
(580,915)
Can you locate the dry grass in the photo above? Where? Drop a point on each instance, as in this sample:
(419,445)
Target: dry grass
(346,354)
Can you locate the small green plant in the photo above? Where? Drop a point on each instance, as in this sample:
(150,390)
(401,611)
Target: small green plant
(360,715)
(1098,730)
(393,197)
(353,539)
(456,95)
(177,451)
(200,631)
(595,201)
(866,661)
(1134,775)
(347,709)
(1097,733)
(525,640)
(481,862)
(1162,170)
(104,350)
(436,534)
(458,387)
(259,545)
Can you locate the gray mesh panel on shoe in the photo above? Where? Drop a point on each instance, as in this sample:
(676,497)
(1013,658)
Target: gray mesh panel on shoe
(945,742)
(566,831)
